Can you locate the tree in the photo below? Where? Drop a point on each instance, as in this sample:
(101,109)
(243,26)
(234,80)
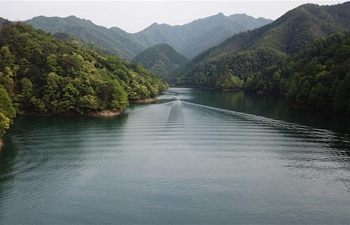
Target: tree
(342,95)
(304,92)
(119,96)
(318,95)
(26,94)
(7,111)
(68,102)
(4,124)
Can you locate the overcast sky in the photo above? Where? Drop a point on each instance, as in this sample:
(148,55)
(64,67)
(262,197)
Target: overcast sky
(134,16)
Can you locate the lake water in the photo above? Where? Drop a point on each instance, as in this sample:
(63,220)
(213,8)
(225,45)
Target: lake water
(208,158)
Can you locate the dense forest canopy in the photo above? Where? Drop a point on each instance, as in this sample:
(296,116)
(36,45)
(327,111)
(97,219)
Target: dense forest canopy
(40,74)
(318,76)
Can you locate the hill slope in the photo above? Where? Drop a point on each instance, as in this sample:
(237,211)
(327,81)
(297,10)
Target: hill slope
(249,52)
(318,76)
(116,41)
(161,59)
(189,39)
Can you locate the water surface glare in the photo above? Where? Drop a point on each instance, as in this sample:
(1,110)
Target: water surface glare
(173,163)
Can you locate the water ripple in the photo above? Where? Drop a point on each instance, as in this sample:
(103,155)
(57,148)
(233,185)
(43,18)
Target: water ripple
(176,160)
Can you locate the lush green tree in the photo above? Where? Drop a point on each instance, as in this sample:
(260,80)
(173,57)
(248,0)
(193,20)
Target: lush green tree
(318,95)
(7,111)
(119,98)
(4,124)
(342,95)
(303,93)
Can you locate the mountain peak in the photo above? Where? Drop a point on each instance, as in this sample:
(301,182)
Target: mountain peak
(154,24)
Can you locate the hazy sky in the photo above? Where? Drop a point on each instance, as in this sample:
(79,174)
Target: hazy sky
(134,16)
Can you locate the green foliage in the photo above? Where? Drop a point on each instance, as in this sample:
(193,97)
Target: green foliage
(318,95)
(342,95)
(318,76)
(7,111)
(43,75)
(242,65)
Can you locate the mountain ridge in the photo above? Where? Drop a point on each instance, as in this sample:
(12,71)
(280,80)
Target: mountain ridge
(205,29)
(189,39)
(86,30)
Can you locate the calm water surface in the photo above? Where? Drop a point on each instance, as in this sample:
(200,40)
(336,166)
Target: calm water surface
(211,158)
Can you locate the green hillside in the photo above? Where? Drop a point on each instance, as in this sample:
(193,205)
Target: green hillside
(244,54)
(40,74)
(161,59)
(318,76)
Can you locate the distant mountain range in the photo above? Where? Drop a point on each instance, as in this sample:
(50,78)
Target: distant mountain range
(189,39)
(193,38)
(117,41)
(161,59)
(249,52)
(2,20)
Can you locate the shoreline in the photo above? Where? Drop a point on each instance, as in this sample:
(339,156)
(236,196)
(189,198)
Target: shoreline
(147,100)
(105,113)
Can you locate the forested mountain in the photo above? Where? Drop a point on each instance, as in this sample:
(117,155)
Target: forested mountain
(189,39)
(161,59)
(40,74)
(318,76)
(229,64)
(2,20)
(66,37)
(117,41)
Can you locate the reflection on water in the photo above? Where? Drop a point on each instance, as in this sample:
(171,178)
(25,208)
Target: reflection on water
(197,160)
(269,106)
